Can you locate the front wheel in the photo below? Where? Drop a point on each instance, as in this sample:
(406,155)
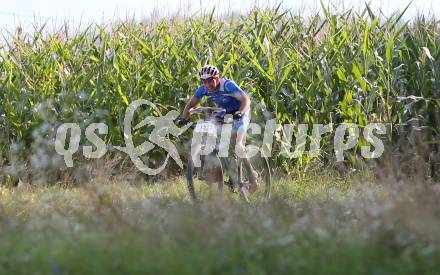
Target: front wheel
(210,172)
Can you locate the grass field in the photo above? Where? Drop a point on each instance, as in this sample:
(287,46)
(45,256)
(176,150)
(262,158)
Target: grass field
(321,223)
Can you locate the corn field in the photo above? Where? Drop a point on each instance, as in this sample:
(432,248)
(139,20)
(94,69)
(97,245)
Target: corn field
(345,67)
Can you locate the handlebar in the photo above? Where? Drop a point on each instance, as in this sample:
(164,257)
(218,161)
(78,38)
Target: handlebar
(209,114)
(207,111)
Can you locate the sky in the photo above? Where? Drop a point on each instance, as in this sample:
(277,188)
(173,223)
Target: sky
(80,12)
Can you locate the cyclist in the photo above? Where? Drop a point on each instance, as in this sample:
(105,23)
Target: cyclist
(229,96)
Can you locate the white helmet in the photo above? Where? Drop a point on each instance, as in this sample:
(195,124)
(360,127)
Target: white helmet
(208,71)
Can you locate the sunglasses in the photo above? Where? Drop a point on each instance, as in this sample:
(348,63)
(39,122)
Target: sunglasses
(208,79)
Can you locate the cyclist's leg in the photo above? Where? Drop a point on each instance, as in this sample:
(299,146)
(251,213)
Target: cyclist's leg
(229,159)
(240,130)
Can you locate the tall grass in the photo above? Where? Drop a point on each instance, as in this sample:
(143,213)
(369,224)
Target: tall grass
(316,224)
(345,67)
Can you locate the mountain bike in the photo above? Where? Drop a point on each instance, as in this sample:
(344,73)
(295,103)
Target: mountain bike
(213,169)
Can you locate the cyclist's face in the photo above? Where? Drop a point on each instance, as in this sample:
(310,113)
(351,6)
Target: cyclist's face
(211,83)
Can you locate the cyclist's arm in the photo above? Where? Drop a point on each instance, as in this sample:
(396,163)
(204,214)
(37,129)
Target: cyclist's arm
(240,95)
(191,104)
(245,102)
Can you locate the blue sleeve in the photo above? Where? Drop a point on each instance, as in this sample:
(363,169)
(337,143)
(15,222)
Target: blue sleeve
(233,88)
(200,92)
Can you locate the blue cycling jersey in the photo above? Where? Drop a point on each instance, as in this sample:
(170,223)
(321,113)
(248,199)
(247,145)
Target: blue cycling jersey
(226,97)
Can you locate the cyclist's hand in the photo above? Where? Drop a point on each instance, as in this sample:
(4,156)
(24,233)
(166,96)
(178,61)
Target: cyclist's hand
(237,115)
(182,121)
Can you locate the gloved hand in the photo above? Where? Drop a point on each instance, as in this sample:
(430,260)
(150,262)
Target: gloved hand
(182,121)
(237,115)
